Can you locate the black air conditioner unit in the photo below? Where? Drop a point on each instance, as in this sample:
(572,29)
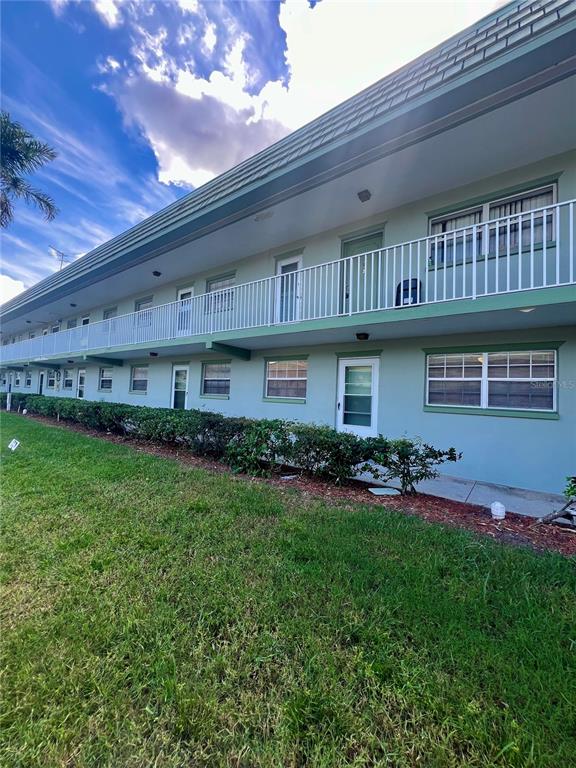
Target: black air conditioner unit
(409,292)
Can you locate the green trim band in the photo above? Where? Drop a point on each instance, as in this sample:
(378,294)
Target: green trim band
(514,346)
(364,353)
(215,397)
(296,400)
(511,413)
(216,361)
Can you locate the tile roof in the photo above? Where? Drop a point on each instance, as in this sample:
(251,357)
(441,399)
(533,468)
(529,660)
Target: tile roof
(485,41)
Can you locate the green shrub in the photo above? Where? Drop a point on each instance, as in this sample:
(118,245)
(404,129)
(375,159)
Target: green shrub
(250,445)
(260,447)
(323,452)
(408,461)
(18,400)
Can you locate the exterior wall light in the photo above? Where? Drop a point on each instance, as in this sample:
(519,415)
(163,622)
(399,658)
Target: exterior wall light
(363,336)
(153,354)
(73,305)
(364,195)
(156,273)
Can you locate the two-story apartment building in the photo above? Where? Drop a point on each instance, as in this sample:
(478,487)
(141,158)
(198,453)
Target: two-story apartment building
(404,264)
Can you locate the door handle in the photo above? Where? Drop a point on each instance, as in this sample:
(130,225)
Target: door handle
(338,406)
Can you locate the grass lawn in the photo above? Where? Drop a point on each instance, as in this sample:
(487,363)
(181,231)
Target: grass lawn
(158,615)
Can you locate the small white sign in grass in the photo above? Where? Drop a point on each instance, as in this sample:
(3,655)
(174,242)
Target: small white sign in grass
(13,444)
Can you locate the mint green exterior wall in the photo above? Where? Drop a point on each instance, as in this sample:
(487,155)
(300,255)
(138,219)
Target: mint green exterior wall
(520,451)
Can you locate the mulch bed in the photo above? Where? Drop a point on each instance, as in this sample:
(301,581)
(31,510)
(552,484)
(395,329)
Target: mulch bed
(516,530)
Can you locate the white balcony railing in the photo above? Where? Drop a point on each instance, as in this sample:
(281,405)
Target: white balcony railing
(522,252)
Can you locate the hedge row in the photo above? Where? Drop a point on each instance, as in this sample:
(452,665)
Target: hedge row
(253,446)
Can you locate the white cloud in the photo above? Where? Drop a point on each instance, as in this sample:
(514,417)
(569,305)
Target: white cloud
(9,288)
(336,49)
(199,126)
(210,38)
(110,64)
(109,11)
(203,136)
(188,5)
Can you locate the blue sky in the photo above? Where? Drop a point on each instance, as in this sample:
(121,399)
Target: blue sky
(144,101)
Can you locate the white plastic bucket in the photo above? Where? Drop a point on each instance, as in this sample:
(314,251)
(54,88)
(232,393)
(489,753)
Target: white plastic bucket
(498,510)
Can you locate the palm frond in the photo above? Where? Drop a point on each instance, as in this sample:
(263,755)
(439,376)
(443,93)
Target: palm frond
(21,153)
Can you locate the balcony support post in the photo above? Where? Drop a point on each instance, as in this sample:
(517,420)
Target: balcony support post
(227,349)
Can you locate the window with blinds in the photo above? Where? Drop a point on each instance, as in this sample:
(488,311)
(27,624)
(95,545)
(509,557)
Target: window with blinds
(522,380)
(139,378)
(286,378)
(454,233)
(220,294)
(105,379)
(216,378)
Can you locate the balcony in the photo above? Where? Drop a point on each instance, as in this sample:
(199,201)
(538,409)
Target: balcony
(523,252)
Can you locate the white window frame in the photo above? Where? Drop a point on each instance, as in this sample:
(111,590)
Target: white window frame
(189,289)
(228,378)
(144,313)
(17,378)
(85,320)
(484,207)
(51,377)
(220,299)
(139,391)
(267,379)
(109,313)
(102,378)
(27,378)
(484,381)
(69,378)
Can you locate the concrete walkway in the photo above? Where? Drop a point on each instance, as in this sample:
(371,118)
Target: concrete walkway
(531,503)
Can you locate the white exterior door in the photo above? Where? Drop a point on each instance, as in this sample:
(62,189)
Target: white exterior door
(288,290)
(185,311)
(180,386)
(357,405)
(81,385)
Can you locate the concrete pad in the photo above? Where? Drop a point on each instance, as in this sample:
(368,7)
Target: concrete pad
(448,487)
(519,500)
(531,503)
(384,491)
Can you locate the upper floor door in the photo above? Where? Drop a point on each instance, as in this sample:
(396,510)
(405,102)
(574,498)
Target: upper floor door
(361,273)
(184,311)
(288,289)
